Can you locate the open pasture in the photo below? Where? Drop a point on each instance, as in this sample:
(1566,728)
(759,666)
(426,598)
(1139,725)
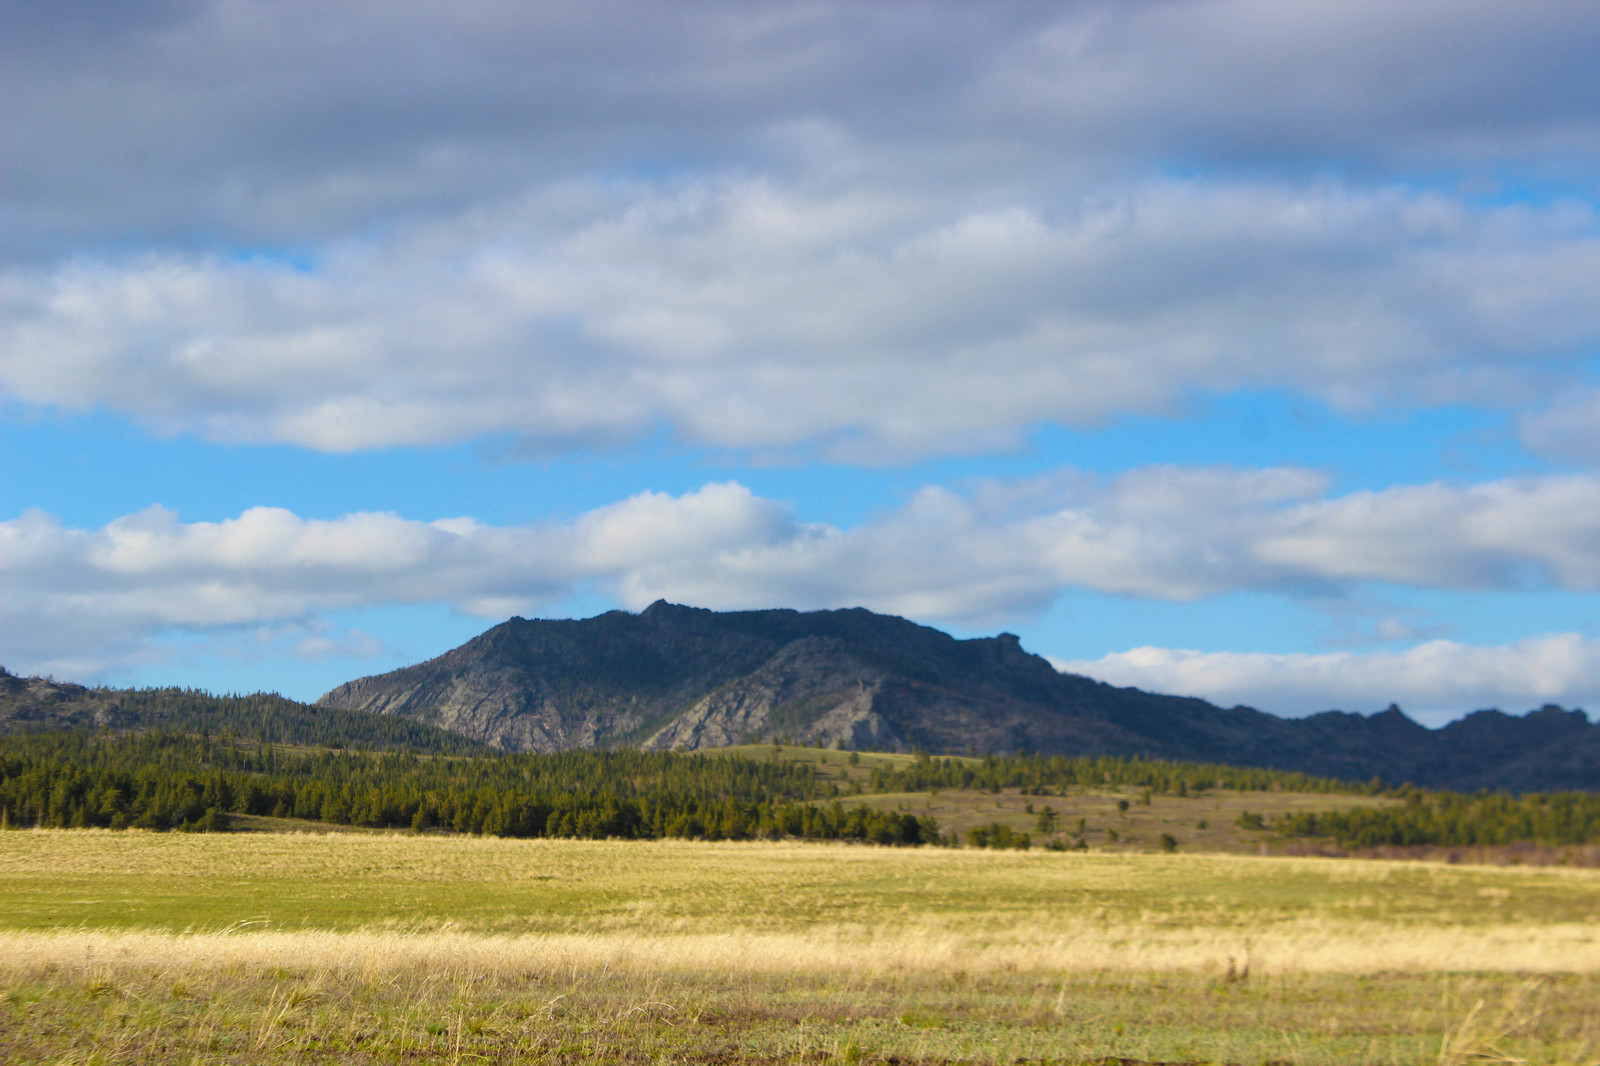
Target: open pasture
(1208,822)
(373,947)
(1117,818)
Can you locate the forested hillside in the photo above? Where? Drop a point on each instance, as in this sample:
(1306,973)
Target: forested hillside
(158,780)
(166,781)
(160,759)
(33,704)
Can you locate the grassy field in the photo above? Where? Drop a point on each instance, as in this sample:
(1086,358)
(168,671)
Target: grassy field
(1205,822)
(136,947)
(108,1013)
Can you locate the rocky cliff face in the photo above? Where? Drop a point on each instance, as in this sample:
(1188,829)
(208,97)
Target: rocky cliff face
(683,678)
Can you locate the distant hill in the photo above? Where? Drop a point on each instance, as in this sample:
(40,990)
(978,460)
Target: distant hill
(685,678)
(41,704)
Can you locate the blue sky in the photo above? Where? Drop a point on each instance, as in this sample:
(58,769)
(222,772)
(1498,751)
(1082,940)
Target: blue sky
(1237,349)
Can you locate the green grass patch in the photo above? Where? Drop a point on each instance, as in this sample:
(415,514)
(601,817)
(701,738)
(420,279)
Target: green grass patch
(122,880)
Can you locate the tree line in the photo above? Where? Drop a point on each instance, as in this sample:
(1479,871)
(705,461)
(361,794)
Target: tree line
(1453,819)
(269,718)
(1041,775)
(161,781)
(180,781)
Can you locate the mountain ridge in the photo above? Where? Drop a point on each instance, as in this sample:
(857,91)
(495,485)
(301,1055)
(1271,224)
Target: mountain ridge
(43,704)
(675,677)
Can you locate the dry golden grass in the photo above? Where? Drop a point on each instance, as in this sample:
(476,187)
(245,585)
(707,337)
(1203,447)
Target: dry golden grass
(349,901)
(137,948)
(908,948)
(1205,821)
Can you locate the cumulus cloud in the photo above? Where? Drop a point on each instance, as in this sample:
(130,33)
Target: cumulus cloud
(1433,681)
(752,316)
(1495,535)
(1001,550)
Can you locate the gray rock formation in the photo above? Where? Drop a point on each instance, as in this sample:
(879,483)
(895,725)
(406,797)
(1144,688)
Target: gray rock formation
(684,678)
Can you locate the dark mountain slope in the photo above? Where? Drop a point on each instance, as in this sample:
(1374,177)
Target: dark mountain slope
(37,704)
(686,678)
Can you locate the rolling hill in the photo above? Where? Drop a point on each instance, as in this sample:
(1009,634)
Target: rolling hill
(37,704)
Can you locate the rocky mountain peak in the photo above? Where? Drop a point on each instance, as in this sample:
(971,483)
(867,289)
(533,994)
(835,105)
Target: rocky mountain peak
(678,677)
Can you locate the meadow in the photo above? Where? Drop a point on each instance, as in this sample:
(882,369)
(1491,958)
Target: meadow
(379,947)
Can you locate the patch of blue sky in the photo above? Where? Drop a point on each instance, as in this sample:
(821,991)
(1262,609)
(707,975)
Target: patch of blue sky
(299,662)
(1588,369)
(1509,187)
(1083,624)
(1247,430)
(1269,428)
(1499,616)
(304,259)
(88,469)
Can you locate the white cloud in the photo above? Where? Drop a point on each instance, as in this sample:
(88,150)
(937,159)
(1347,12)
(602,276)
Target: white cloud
(749,315)
(1434,681)
(1002,550)
(1496,535)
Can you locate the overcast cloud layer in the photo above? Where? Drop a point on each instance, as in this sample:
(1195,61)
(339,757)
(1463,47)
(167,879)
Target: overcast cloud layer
(289,120)
(873,234)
